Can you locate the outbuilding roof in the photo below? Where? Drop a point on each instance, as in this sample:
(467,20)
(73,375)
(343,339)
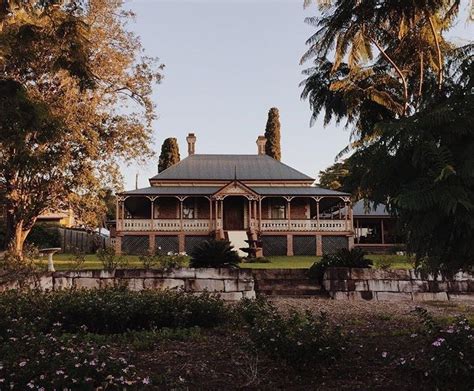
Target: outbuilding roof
(229,167)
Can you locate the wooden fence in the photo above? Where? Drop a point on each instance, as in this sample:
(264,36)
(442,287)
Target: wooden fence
(81,241)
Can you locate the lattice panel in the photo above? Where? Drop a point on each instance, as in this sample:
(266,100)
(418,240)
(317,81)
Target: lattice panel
(192,241)
(304,245)
(135,244)
(274,245)
(166,244)
(333,243)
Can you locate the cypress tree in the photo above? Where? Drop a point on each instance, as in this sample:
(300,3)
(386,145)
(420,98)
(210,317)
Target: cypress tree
(272,134)
(169,154)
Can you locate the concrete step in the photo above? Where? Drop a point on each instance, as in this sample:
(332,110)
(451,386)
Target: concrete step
(237,239)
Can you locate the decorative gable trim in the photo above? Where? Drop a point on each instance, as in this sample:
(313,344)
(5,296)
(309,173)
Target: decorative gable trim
(235,188)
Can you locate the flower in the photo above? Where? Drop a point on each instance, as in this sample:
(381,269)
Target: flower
(146,380)
(438,342)
(384,354)
(22,364)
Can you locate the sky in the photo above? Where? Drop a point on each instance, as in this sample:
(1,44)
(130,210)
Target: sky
(227,62)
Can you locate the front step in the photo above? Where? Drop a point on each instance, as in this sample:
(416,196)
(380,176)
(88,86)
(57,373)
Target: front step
(238,240)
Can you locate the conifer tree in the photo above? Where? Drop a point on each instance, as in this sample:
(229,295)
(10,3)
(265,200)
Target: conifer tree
(272,134)
(169,154)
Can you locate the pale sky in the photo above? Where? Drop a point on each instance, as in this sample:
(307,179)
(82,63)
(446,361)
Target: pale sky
(227,63)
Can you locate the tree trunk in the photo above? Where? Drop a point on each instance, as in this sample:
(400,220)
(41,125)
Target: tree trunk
(16,236)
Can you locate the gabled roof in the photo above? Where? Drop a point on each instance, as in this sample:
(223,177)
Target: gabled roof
(229,167)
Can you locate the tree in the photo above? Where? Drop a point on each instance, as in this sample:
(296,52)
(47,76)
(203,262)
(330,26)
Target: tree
(406,93)
(333,177)
(75,96)
(169,154)
(272,134)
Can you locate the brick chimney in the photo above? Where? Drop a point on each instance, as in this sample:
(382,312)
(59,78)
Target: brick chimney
(191,139)
(261,142)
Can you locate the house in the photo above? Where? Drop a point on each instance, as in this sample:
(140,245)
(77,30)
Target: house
(237,197)
(375,229)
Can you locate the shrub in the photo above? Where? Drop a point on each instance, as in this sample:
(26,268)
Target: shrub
(110,261)
(160,261)
(342,258)
(111,311)
(21,270)
(299,339)
(214,253)
(448,358)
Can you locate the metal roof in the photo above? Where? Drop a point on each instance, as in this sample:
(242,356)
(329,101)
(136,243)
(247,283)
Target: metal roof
(174,190)
(228,167)
(359,209)
(209,190)
(297,191)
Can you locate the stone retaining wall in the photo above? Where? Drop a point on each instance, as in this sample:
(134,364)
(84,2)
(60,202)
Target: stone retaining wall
(397,285)
(230,284)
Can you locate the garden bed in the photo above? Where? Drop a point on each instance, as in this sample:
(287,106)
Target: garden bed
(184,342)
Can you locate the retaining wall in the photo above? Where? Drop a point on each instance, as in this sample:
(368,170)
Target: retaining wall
(230,284)
(396,285)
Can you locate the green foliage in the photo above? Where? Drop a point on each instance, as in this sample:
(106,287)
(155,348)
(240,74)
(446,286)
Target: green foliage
(111,261)
(169,154)
(161,261)
(214,253)
(272,134)
(447,360)
(109,311)
(300,339)
(75,98)
(44,236)
(333,177)
(424,164)
(406,92)
(342,258)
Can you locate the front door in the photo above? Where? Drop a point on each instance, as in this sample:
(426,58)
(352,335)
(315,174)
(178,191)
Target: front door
(234,213)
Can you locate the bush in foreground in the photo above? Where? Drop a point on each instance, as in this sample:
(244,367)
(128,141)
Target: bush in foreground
(448,360)
(341,258)
(110,311)
(300,339)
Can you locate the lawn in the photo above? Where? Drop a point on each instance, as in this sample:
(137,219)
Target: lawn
(65,262)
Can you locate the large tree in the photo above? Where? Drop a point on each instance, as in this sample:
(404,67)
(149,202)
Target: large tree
(169,154)
(75,88)
(272,134)
(388,71)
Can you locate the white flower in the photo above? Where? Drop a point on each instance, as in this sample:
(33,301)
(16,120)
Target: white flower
(146,380)
(384,354)
(22,364)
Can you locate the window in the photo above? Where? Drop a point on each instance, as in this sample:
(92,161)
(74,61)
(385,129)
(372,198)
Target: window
(277,209)
(189,209)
